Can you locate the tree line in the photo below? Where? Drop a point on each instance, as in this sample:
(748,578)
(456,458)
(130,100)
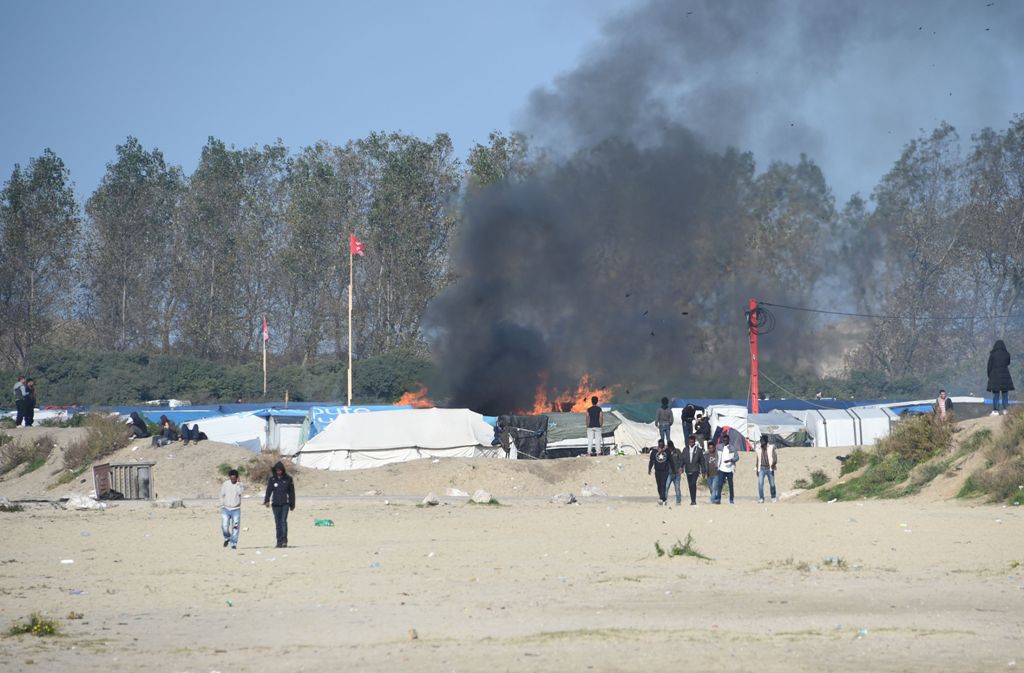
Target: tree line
(158,262)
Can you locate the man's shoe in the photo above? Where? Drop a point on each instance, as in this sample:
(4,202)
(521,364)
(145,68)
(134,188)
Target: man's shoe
(994,413)
(225,543)
(234,546)
(760,501)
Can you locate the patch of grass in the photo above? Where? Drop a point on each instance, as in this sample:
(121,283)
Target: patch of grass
(35,625)
(104,435)
(856,459)
(7,423)
(32,455)
(975,442)
(970,489)
(818,478)
(11,508)
(687,548)
(834,563)
(658,549)
(1002,478)
(224,468)
(493,502)
(914,441)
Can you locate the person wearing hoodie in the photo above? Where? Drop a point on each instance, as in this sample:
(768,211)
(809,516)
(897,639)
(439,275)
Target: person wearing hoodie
(663,419)
(280,497)
(999,380)
(663,465)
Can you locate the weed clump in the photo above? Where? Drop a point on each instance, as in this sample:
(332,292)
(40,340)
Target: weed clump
(857,459)
(104,435)
(818,478)
(32,455)
(224,468)
(262,464)
(35,625)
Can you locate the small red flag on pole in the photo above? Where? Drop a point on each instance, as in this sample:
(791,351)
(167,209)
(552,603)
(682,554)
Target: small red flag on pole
(354,246)
(266,333)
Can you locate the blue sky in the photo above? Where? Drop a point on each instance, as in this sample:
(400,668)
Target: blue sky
(81,76)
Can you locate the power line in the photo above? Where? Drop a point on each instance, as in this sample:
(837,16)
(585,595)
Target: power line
(792,394)
(891,317)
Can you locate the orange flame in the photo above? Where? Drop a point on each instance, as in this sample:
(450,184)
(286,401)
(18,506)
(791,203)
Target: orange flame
(577,400)
(417,399)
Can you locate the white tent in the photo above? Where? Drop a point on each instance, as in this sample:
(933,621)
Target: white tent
(632,437)
(732,415)
(856,426)
(354,441)
(773,423)
(245,429)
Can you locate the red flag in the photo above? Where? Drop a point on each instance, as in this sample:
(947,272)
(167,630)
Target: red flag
(354,246)
(266,333)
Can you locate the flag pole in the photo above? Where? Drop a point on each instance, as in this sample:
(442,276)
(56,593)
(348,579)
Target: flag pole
(264,340)
(350,279)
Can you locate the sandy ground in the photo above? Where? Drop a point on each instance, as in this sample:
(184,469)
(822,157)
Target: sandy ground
(526,586)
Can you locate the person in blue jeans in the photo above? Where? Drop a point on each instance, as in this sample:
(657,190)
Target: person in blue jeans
(663,419)
(764,465)
(676,475)
(999,380)
(231,509)
(714,476)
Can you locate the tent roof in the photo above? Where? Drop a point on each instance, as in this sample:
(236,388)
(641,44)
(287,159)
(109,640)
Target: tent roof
(402,428)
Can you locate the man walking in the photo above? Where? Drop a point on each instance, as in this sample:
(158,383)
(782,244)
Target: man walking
(676,475)
(693,466)
(764,465)
(595,422)
(231,509)
(661,463)
(280,497)
(19,400)
(726,464)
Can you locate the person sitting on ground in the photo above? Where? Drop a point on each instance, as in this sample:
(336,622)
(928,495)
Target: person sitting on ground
(168,433)
(139,429)
(191,434)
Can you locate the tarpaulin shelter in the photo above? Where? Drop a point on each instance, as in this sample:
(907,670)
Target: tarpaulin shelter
(354,441)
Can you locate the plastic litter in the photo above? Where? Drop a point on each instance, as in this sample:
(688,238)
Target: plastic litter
(323,522)
(375,565)
(67,561)
(230,604)
(863,633)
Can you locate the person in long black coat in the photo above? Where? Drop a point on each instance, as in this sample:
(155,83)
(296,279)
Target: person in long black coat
(999,380)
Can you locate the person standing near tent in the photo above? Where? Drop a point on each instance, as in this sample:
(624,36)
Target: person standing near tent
(280,497)
(999,380)
(701,428)
(764,466)
(231,509)
(663,419)
(663,465)
(687,416)
(595,422)
(692,465)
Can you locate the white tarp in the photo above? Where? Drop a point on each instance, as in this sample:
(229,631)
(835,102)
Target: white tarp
(857,426)
(354,441)
(732,415)
(773,423)
(632,437)
(245,429)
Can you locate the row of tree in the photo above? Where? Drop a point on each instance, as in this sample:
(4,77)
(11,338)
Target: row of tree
(162,262)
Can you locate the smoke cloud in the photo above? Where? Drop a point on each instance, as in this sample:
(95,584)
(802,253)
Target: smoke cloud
(631,256)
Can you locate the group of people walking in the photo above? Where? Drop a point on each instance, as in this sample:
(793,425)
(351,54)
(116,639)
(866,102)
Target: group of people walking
(24,401)
(716,463)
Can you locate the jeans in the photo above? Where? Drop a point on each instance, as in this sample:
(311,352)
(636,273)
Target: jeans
(677,479)
(230,520)
(715,484)
(593,441)
(664,432)
(281,523)
(723,478)
(995,399)
(761,474)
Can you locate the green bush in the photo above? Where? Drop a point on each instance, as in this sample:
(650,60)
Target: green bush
(1002,479)
(32,455)
(818,478)
(224,468)
(917,439)
(857,459)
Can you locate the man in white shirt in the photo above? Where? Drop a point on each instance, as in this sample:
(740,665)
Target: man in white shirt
(231,509)
(726,464)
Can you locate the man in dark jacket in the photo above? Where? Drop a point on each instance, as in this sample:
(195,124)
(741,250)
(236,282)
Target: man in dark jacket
(663,465)
(693,465)
(999,380)
(280,497)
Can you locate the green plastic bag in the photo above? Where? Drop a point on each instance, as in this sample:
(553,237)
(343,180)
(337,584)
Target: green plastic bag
(323,522)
